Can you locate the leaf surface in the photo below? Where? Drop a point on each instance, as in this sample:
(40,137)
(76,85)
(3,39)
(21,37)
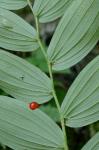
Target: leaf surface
(49,10)
(23,129)
(23,80)
(15,33)
(13,4)
(76,34)
(81,104)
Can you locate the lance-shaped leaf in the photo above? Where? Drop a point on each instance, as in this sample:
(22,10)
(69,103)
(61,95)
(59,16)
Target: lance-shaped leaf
(23,80)
(93,143)
(13,4)
(15,33)
(23,129)
(81,104)
(76,34)
(49,10)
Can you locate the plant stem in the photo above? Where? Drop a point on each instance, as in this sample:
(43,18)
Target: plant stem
(53,88)
(58,107)
(51,77)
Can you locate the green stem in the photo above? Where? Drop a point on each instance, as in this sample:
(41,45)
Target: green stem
(29,3)
(54,93)
(58,107)
(39,41)
(51,77)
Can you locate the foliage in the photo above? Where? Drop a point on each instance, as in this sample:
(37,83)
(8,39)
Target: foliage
(75,36)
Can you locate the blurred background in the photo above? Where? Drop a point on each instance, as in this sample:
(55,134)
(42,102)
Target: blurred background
(62,80)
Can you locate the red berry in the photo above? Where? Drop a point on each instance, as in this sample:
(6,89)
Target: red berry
(34,105)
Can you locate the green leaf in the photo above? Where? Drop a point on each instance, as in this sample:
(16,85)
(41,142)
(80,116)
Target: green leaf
(23,80)
(81,104)
(38,60)
(49,10)
(76,34)
(92,144)
(13,4)
(23,129)
(15,33)
(51,111)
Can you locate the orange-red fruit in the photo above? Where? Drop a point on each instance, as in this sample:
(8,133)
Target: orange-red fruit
(34,105)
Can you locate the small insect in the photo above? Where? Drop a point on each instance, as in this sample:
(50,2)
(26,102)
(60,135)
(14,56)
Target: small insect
(22,77)
(34,105)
